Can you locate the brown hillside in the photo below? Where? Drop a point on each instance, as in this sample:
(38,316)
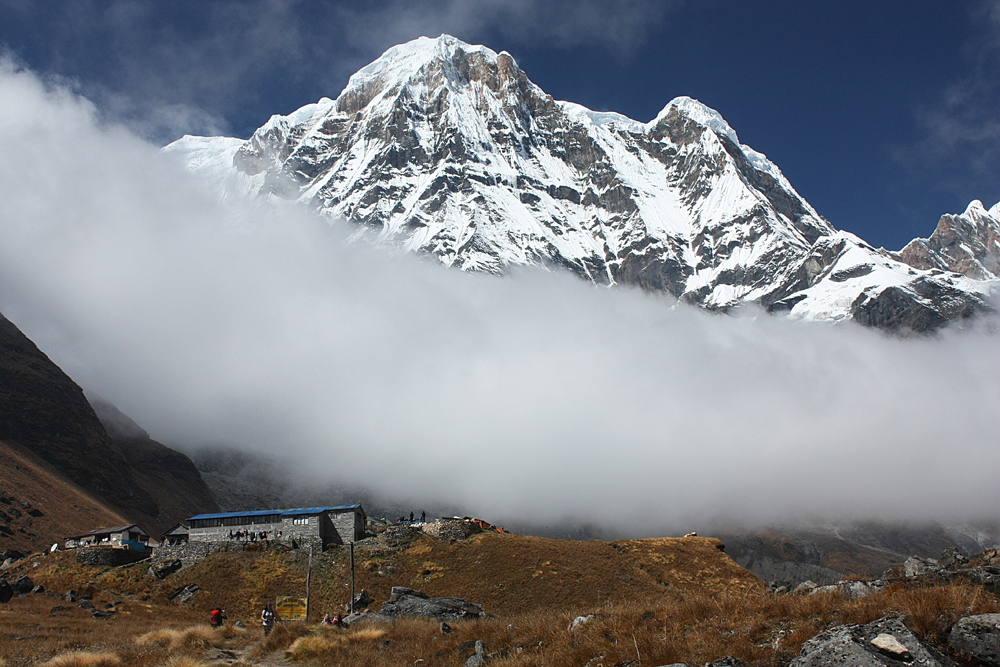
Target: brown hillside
(42,411)
(56,508)
(508,574)
(669,600)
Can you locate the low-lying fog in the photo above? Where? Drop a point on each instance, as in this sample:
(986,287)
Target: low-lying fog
(532,397)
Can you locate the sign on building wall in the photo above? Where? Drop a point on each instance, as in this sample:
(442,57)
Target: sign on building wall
(291,608)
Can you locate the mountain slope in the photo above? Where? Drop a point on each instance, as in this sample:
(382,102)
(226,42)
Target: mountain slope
(449,149)
(45,416)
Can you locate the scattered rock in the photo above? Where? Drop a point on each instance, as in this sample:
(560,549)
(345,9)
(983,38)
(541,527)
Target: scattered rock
(6,592)
(977,637)
(86,604)
(165,569)
(408,602)
(728,661)
(805,587)
(952,558)
(445,628)
(71,596)
(97,613)
(478,659)
(578,621)
(362,600)
(854,645)
(239,624)
(38,590)
(891,646)
(22,584)
(11,554)
(184,593)
(57,609)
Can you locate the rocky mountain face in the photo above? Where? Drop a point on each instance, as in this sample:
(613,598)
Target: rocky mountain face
(45,416)
(826,553)
(968,244)
(449,149)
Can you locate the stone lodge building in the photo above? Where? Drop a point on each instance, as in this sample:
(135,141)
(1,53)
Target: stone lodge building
(317,526)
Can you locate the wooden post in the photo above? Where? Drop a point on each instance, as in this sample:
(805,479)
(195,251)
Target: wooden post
(309,572)
(352,577)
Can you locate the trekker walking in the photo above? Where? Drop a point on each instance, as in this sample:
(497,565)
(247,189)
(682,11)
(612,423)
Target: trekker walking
(216,617)
(267,618)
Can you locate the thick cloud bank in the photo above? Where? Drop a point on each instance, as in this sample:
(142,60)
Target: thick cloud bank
(533,397)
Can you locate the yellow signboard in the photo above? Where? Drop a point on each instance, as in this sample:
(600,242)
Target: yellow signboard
(291,608)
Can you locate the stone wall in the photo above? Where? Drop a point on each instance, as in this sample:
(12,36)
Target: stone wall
(221,533)
(109,556)
(193,552)
(346,527)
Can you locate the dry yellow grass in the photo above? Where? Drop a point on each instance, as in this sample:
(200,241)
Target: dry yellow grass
(324,640)
(84,659)
(183,661)
(193,638)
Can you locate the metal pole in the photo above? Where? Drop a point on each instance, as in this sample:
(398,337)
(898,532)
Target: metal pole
(309,580)
(352,577)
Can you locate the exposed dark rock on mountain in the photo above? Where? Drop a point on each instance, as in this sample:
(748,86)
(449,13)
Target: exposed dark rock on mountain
(45,415)
(968,244)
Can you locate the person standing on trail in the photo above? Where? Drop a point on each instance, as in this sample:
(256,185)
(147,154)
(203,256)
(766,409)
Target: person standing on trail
(216,617)
(423,516)
(267,618)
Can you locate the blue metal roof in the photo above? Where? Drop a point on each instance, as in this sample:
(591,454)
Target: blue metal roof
(288,512)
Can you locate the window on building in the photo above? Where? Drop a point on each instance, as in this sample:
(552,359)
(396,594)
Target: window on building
(301,522)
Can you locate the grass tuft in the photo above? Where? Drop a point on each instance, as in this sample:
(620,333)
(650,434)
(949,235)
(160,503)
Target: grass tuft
(183,661)
(84,659)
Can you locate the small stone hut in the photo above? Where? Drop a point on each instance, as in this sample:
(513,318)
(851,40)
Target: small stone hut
(317,526)
(118,536)
(178,534)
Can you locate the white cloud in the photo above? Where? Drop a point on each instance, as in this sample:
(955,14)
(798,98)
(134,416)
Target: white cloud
(534,397)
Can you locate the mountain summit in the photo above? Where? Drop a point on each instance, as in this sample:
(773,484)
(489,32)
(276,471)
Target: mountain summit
(449,149)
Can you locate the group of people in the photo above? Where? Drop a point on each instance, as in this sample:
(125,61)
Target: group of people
(423,518)
(267,618)
(250,535)
(337,620)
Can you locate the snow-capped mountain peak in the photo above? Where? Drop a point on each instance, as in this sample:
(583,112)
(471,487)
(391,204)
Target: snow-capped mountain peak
(449,149)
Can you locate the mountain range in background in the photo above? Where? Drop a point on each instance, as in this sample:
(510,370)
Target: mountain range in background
(449,149)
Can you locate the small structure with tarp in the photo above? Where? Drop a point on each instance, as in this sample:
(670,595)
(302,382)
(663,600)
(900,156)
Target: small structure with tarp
(124,537)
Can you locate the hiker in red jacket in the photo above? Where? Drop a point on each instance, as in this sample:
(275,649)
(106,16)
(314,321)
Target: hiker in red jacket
(216,617)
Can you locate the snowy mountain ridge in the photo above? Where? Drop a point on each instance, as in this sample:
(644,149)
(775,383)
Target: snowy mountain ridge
(449,149)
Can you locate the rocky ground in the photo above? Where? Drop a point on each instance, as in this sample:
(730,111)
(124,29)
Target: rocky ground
(440,594)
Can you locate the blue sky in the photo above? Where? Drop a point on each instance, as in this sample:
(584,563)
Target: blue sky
(883,115)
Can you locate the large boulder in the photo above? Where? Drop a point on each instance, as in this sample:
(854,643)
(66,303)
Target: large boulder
(22,584)
(880,643)
(977,638)
(6,592)
(408,602)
